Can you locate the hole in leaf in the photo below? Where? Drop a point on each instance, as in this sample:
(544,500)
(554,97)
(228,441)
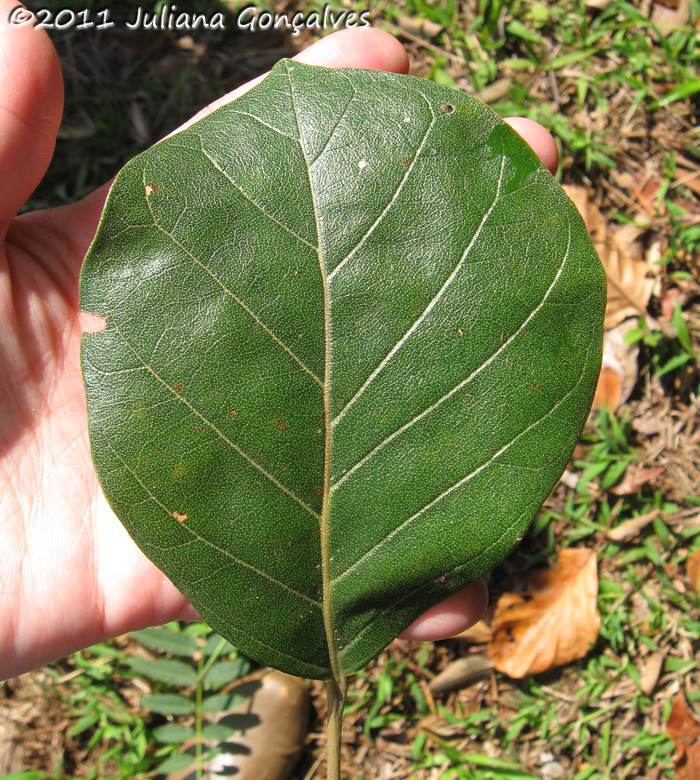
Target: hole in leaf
(447,108)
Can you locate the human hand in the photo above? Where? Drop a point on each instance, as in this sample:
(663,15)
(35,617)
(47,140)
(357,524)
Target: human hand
(70,575)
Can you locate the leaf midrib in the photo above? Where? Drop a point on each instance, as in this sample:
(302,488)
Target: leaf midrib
(324,522)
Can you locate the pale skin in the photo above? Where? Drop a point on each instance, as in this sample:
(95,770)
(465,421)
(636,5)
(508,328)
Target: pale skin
(70,575)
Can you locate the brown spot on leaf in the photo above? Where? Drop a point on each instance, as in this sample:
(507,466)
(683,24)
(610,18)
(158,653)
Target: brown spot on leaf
(178,385)
(279,422)
(443,580)
(180,516)
(150,189)
(233,412)
(404,160)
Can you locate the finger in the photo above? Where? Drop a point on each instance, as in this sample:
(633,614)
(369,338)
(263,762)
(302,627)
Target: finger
(451,616)
(352,48)
(538,139)
(31,104)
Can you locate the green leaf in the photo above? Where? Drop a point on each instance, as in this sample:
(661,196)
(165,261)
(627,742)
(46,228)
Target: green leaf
(673,363)
(212,645)
(217,732)
(171,672)
(524,33)
(682,329)
(166,641)
(571,58)
(84,724)
(173,733)
(176,763)
(225,672)
(221,702)
(443,77)
(479,759)
(681,92)
(353,330)
(633,335)
(168,704)
(30,775)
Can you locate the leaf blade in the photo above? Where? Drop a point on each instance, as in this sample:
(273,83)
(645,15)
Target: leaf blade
(380,412)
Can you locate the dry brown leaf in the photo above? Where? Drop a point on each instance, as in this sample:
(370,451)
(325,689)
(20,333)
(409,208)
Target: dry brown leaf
(634,478)
(668,302)
(668,20)
(570,478)
(555,621)
(431,29)
(684,730)
(631,528)
(692,566)
(629,287)
(619,370)
(649,674)
(460,674)
(689,179)
(621,254)
(649,424)
(608,391)
(419,27)
(495,91)
(11,748)
(478,634)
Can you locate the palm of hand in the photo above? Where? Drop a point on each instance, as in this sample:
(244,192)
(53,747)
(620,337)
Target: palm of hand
(81,576)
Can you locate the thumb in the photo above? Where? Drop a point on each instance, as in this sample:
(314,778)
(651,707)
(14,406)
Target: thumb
(31,104)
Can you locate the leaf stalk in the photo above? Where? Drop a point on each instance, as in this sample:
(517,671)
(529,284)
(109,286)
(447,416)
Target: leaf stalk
(337,690)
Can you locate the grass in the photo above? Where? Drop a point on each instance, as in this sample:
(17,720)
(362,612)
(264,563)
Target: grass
(620,96)
(129,704)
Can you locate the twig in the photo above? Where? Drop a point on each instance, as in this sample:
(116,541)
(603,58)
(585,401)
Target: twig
(557,695)
(315,765)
